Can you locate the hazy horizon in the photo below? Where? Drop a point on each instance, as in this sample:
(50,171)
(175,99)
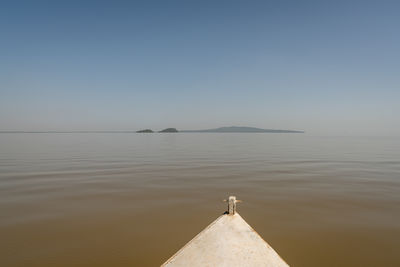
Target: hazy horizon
(325,68)
(155,130)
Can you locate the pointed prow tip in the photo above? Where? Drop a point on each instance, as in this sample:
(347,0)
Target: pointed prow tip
(232,204)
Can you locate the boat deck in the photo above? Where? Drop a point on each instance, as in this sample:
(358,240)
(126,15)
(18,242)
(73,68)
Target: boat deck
(228,241)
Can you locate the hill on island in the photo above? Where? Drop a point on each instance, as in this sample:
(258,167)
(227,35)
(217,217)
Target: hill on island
(239,129)
(169,130)
(145,131)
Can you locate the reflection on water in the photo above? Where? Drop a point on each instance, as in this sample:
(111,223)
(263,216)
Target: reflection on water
(135,199)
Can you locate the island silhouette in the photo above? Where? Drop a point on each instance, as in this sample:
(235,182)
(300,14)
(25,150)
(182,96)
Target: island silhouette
(169,130)
(145,131)
(230,129)
(240,129)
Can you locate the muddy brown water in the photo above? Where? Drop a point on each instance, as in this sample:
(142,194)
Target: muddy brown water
(97,199)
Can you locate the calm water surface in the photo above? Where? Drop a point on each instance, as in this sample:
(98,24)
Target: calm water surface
(135,199)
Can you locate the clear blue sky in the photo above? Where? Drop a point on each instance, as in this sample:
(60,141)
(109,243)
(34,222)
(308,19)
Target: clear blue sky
(328,67)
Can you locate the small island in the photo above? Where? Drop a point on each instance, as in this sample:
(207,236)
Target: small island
(145,131)
(169,130)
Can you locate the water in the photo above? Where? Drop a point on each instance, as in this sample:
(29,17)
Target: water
(135,199)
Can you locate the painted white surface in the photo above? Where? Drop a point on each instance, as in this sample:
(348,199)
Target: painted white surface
(228,241)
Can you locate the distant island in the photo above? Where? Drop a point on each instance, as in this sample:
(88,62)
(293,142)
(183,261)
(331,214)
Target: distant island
(231,129)
(145,131)
(238,129)
(169,130)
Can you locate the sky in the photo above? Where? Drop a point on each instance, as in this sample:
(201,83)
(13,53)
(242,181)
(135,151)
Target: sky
(326,67)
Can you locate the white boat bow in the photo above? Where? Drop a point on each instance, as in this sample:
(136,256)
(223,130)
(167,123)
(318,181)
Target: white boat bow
(228,241)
